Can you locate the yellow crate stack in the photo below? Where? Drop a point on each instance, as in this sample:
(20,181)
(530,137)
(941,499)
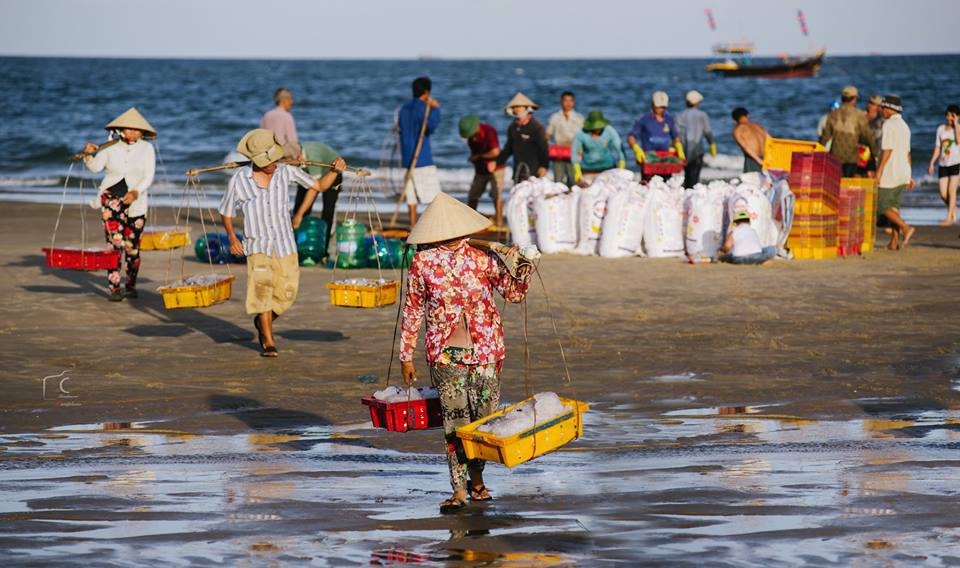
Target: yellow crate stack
(815,181)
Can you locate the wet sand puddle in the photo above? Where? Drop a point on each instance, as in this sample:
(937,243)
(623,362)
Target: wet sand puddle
(726,485)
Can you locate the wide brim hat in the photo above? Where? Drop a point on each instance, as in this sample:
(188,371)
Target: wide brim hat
(519,100)
(595,121)
(131,118)
(446,218)
(261,146)
(469,125)
(892,102)
(319,152)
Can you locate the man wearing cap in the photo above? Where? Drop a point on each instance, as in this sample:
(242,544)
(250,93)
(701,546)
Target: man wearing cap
(319,152)
(526,140)
(484,147)
(847,128)
(894,172)
(130,164)
(424,182)
(693,125)
(280,121)
(259,190)
(563,126)
(596,148)
(655,131)
(450,288)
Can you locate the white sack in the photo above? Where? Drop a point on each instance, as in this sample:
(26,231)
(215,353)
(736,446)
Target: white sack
(622,229)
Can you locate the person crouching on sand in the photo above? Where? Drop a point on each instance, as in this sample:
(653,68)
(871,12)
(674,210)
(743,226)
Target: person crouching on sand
(742,245)
(122,198)
(452,284)
(260,191)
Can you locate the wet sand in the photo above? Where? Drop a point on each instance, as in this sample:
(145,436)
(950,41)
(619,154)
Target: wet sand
(796,412)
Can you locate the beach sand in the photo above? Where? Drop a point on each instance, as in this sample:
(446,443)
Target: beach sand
(646,341)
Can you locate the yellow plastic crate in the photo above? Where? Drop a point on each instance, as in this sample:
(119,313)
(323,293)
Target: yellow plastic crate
(355,296)
(812,207)
(164,239)
(869,186)
(200,296)
(526,445)
(814,253)
(778,152)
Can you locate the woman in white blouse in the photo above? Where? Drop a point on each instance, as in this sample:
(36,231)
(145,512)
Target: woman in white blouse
(122,198)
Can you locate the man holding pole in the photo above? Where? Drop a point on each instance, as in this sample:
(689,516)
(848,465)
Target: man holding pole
(259,189)
(416,121)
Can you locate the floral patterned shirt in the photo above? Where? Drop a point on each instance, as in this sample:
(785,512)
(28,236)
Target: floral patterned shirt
(446,284)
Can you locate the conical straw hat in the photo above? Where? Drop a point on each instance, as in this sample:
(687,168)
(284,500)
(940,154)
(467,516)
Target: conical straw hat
(132,119)
(519,99)
(445,219)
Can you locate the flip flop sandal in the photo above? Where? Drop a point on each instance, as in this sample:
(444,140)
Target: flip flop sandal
(477,493)
(270,351)
(452,505)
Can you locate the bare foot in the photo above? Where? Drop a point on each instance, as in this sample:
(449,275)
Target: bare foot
(907,235)
(947,222)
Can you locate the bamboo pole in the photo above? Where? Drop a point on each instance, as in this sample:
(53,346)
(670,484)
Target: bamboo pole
(292,161)
(413,163)
(80,155)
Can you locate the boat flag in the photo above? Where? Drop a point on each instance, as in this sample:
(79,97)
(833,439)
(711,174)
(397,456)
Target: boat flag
(710,21)
(803,23)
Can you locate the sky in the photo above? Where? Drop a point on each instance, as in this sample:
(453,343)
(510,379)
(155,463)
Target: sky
(484,29)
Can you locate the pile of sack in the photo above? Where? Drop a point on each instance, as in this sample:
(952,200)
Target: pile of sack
(618,217)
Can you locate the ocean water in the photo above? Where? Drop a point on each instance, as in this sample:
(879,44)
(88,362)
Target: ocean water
(202,107)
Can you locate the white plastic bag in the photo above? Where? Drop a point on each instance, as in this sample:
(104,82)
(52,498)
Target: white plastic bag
(663,231)
(622,229)
(556,218)
(703,221)
(520,216)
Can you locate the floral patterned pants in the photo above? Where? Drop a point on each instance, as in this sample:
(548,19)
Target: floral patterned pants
(467,393)
(123,233)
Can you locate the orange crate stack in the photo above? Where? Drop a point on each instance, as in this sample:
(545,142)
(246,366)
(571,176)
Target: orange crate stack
(815,180)
(868,226)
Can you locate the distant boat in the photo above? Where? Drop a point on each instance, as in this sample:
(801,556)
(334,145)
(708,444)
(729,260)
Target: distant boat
(743,65)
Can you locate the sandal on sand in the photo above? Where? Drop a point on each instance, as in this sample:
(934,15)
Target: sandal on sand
(479,493)
(270,351)
(452,505)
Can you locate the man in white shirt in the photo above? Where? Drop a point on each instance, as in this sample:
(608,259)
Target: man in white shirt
(562,128)
(260,191)
(894,172)
(280,121)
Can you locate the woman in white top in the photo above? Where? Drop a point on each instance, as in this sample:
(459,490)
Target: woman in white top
(122,198)
(946,151)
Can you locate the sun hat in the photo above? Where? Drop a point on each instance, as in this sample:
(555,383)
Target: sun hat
(694,97)
(446,218)
(469,125)
(741,215)
(892,102)
(132,118)
(595,121)
(660,99)
(261,146)
(519,100)
(319,152)
(849,92)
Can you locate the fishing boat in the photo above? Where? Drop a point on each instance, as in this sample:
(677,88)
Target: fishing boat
(739,63)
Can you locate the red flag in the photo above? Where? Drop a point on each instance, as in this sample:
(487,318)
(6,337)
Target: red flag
(803,23)
(710,21)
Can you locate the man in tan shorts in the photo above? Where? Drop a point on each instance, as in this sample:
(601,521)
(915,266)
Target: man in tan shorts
(259,190)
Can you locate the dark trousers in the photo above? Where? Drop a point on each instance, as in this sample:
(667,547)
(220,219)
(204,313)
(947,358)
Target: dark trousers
(691,172)
(329,204)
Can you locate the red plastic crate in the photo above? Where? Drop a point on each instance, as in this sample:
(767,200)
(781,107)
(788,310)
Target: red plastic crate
(405,415)
(651,169)
(82,259)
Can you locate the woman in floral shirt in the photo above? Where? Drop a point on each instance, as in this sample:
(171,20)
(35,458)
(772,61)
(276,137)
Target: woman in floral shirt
(451,285)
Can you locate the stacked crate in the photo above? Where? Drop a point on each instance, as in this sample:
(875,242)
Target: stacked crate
(815,181)
(864,228)
(850,227)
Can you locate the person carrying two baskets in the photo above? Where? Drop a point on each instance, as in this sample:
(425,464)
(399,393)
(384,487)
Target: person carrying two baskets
(451,283)
(259,190)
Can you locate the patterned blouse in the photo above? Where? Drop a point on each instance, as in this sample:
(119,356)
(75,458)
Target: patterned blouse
(446,284)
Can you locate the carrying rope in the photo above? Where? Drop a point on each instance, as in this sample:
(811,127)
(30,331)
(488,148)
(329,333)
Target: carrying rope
(83,216)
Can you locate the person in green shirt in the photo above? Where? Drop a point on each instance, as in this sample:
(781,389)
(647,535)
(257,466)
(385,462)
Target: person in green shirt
(596,148)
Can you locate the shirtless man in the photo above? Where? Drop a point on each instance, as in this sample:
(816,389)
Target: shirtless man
(751,138)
